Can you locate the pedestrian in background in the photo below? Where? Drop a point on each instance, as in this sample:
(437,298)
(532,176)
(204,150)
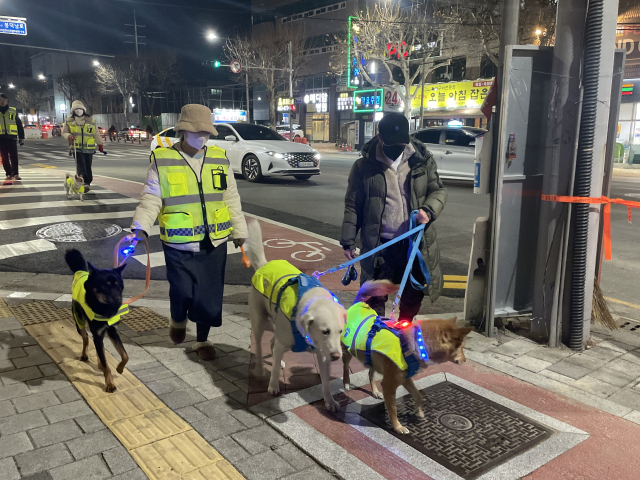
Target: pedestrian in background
(82,134)
(192,192)
(394,176)
(113,133)
(11,132)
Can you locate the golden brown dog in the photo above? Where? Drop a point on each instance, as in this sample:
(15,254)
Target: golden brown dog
(443,340)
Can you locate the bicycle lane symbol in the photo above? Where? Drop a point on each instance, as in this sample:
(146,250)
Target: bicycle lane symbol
(313,252)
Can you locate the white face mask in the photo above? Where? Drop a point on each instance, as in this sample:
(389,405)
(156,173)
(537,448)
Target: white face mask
(196,139)
(79,112)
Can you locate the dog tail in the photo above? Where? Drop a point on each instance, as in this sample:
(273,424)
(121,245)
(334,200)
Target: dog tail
(255,248)
(375,288)
(75,260)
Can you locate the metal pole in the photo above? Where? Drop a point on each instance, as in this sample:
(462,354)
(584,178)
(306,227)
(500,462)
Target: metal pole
(509,36)
(422,93)
(135,31)
(290,90)
(246,76)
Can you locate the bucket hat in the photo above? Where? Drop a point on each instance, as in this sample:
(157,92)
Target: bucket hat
(195,118)
(78,104)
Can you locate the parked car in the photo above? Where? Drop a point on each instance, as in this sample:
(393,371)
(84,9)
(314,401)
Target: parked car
(453,149)
(285,132)
(256,151)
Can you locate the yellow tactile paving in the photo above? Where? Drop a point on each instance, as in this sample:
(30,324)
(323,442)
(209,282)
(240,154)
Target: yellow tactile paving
(148,428)
(173,457)
(163,445)
(4,310)
(125,404)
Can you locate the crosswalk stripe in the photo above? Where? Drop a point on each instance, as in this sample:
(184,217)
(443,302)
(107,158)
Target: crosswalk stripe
(157,258)
(66,203)
(25,248)
(57,183)
(38,194)
(33,221)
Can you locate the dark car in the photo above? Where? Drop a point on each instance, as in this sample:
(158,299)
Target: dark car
(453,148)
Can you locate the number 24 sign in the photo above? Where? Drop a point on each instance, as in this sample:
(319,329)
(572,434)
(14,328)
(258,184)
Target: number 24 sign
(392,99)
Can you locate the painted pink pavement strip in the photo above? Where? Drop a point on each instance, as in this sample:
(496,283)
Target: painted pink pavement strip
(610,451)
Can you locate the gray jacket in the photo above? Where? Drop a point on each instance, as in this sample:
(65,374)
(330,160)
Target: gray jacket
(365,203)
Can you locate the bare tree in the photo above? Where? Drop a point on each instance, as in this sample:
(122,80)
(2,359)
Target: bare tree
(24,99)
(80,86)
(265,55)
(31,96)
(406,42)
(121,76)
(161,71)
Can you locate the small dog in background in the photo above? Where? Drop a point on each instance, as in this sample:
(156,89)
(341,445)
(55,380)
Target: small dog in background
(74,186)
(97,301)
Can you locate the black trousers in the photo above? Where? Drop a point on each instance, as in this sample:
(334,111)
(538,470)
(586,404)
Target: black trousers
(83,166)
(196,283)
(9,153)
(390,265)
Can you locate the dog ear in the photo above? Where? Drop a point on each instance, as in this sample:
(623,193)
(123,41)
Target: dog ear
(452,320)
(305,322)
(463,332)
(92,269)
(120,269)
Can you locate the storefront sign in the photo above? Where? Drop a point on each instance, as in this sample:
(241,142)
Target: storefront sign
(284,104)
(317,102)
(13,26)
(345,101)
(224,116)
(367,100)
(453,95)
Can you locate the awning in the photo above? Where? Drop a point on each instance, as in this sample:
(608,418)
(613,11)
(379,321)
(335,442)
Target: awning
(448,113)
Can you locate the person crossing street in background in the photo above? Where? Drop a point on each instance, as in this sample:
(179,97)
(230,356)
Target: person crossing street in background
(83,136)
(11,132)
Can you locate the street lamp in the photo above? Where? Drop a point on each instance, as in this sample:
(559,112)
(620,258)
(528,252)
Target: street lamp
(96,63)
(538,32)
(41,77)
(211,36)
(11,85)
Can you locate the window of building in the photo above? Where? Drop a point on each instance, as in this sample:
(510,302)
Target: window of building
(488,69)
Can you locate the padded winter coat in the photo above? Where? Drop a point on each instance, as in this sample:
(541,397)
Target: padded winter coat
(365,203)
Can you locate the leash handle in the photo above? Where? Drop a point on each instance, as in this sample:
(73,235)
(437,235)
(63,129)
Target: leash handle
(246,263)
(117,263)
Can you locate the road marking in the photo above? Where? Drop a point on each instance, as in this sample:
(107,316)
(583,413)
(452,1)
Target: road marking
(66,203)
(58,183)
(455,285)
(25,248)
(295,229)
(455,278)
(33,221)
(35,194)
(622,302)
(42,165)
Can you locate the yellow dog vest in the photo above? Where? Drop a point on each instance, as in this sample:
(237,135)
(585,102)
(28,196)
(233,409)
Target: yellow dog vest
(269,279)
(78,294)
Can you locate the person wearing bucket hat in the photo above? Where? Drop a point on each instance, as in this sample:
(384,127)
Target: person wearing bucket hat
(192,192)
(395,175)
(83,136)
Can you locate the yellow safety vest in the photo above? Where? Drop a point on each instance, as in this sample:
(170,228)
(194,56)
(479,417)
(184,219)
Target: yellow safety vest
(85,141)
(269,279)
(192,209)
(360,318)
(8,126)
(78,294)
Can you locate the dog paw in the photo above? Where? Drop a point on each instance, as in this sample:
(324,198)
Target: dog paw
(377,395)
(401,430)
(282,363)
(347,386)
(419,413)
(332,405)
(110,388)
(120,368)
(84,358)
(274,391)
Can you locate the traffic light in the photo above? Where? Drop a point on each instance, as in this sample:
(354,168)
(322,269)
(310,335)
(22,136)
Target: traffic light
(216,64)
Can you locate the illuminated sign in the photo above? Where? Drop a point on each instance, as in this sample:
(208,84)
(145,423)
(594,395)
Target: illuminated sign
(317,102)
(367,100)
(284,104)
(627,89)
(224,115)
(345,101)
(453,95)
(13,25)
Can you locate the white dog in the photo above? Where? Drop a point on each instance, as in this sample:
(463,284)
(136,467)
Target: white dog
(74,186)
(313,321)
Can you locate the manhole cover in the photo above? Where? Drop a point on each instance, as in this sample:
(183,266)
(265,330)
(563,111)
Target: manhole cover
(462,431)
(78,231)
(630,326)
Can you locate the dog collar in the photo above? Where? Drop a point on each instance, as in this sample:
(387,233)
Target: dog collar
(422,349)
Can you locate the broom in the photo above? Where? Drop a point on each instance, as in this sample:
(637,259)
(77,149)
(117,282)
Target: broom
(600,312)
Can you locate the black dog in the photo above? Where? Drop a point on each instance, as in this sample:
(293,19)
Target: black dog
(97,301)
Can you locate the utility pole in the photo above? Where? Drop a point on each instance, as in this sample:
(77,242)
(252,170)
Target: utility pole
(510,12)
(290,90)
(424,55)
(135,32)
(246,77)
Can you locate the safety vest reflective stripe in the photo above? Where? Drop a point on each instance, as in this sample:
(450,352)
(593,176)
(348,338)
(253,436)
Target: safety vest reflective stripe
(179,162)
(84,135)
(9,125)
(208,197)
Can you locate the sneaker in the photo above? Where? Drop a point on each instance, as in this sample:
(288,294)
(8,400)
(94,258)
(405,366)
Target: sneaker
(17,177)
(205,350)
(8,177)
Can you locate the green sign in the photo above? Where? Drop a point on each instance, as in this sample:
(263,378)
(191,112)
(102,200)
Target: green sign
(369,100)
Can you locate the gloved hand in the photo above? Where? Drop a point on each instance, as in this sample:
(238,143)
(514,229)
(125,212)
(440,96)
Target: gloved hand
(21,142)
(238,242)
(350,253)
(72,139)
(101,148)
(140,234)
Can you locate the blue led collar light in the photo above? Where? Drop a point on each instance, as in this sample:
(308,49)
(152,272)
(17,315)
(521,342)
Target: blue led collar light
(422,349)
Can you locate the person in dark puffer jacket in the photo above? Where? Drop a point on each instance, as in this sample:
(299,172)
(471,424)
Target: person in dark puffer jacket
(395,175)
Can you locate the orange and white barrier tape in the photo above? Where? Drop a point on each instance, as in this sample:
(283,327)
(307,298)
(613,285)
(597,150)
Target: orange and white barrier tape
(606,237)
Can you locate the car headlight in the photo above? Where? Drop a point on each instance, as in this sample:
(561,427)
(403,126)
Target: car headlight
(275,154)
(317,156)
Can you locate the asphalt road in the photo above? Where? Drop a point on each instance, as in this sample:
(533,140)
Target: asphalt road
(315,206)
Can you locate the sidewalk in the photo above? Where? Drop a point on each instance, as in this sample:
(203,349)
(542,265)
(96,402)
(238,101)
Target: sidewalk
(174,417)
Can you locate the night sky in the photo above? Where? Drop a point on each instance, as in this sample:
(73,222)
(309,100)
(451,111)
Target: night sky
(98,26)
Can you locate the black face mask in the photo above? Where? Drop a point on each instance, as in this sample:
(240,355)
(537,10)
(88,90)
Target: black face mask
(393,151)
